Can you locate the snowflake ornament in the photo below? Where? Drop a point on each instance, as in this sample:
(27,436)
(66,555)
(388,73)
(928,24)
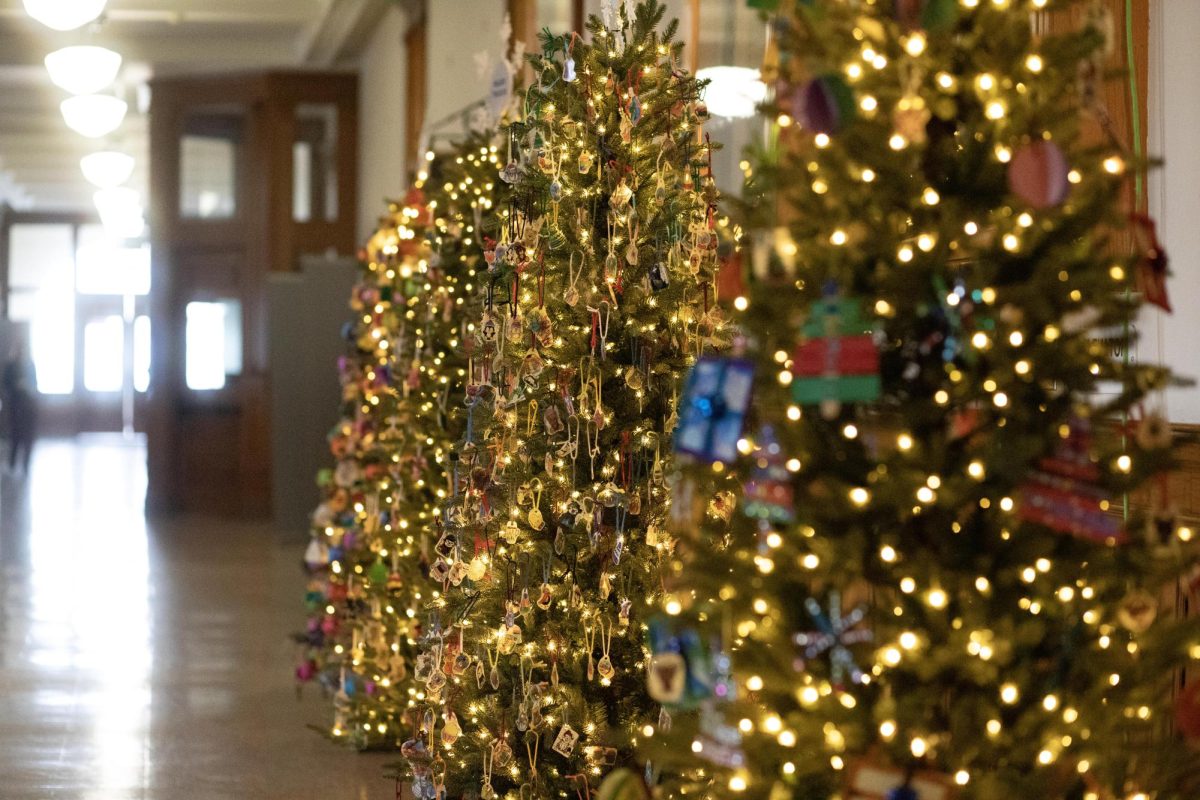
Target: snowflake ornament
(836,633)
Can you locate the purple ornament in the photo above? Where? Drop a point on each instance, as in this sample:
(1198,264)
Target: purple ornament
(825,104)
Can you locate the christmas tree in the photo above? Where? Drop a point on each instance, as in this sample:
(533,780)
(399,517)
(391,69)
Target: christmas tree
(934,584)
(402,392)
(597,299)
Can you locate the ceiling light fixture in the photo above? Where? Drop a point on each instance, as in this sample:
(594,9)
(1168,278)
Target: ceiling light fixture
(83,69)
(94,115)
(732,92)
(107,169)
(64,15)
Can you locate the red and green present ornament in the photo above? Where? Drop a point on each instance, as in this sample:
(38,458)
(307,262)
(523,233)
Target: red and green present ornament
(838,362)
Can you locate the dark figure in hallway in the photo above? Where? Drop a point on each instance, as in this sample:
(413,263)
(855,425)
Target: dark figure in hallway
(20,406)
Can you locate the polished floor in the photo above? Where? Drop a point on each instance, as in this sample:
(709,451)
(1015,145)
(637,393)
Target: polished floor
(150,661)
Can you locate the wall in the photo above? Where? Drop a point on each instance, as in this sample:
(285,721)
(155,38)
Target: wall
(457,32)
(1174,117)
(381,121)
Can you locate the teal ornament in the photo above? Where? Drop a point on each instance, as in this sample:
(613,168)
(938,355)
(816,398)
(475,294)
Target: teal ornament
(826,104)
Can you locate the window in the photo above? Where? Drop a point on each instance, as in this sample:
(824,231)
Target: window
(208,168)
(42,274)
(141,353)
(314,164)
(106,266)
(213,342)
(104,354)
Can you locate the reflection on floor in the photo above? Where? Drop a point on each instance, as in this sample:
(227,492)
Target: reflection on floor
(150,661)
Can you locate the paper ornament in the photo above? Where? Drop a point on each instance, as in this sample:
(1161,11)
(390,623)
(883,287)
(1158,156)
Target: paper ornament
(1152,263)
(1061,494)
(825,104)
(714,404)
(565,741)
(768,495)
(838,361)
(1038,174)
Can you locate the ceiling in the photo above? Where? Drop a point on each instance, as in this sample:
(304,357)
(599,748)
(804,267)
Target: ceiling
(39,155)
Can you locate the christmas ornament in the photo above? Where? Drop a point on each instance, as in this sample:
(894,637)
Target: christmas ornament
(1037,174)
(714,404)
(838,361)
(836,633)
(826,104)
(1062,494)
(1152,262)
(768,494)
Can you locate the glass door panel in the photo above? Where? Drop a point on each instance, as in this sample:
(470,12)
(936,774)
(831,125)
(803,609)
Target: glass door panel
(104,354)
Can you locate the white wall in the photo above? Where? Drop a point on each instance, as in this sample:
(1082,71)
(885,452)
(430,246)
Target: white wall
(457,31)
(381,121)
(1173,111)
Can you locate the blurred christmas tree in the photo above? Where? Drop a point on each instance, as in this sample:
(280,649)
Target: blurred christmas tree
(371,553)
(933,586)
(598,297)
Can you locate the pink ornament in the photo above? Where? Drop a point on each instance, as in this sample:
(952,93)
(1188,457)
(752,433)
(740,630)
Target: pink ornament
(329,625)
(1038,174)
(306,670)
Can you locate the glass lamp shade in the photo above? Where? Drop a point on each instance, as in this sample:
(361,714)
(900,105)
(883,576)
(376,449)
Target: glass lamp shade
(83,69)
(121,212)
(94,115)
(64,15)
(732,92)
(107,169)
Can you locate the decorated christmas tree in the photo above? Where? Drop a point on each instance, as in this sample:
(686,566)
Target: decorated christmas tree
(402,393)
(936,582)
(597,298)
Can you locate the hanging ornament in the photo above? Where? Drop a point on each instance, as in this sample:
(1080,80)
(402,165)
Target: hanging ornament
(1137,611)
(910,118)
(768,495)
(838,361)
(715,400)
(1037,174)
(1152,263)
(316,555)
(825,104)
(565,741)
(836,633)
(1062,493)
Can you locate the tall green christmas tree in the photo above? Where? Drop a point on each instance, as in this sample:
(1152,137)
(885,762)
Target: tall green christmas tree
(402,381)
(597,299)
(933,585)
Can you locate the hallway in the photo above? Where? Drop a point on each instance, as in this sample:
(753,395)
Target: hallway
(148,661)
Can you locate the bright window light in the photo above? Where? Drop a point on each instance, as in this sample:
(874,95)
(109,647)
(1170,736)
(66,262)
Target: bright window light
(732,92)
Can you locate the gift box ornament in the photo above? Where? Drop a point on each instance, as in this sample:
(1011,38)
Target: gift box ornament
(713,409)
(680,675)
(1062,493)
(768,495)
(838,362)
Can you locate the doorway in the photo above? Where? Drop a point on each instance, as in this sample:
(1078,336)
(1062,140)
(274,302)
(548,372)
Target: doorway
(80,299)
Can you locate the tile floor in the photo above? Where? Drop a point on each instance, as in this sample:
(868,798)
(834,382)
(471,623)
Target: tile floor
(151,661)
